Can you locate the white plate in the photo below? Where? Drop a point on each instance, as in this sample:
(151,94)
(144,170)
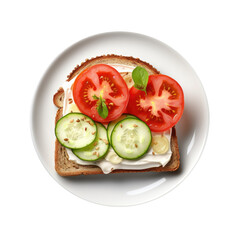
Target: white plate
(192,130)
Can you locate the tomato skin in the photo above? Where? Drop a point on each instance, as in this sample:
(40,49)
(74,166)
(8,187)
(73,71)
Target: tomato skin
(162,107)
(105,81)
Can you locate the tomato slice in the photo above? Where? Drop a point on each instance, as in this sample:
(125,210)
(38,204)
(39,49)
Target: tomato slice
(101,81)
(162,107)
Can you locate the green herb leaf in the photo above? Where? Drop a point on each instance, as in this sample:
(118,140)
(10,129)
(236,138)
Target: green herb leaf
(140,78)
(102,108)
(95,97)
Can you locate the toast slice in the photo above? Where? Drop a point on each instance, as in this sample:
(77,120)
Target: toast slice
(65,166)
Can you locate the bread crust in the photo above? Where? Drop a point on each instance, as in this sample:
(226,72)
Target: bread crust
(111,58)
(66,167)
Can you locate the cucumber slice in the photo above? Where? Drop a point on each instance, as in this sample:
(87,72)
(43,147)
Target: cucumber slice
(131,138)
(112,124)
(75,130)
(97,149)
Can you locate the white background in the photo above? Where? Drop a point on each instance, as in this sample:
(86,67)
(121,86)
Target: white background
(205,205)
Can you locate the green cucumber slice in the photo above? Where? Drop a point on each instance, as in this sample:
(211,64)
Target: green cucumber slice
(75,130)
(112,124)
(131,138)
(97,149)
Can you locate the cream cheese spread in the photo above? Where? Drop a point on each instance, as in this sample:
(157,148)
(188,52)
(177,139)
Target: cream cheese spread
(112,161)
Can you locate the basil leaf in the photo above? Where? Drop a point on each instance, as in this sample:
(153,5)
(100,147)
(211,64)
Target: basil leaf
(102,108)
(95,97)
(140,78)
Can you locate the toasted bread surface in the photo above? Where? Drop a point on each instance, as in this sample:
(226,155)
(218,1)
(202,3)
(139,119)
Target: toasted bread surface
(112,59)
(65,166)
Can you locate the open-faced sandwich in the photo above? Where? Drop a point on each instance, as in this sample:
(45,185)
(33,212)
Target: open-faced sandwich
(117,114)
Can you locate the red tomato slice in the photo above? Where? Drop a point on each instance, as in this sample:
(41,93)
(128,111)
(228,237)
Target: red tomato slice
(163,105)
(105,81)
